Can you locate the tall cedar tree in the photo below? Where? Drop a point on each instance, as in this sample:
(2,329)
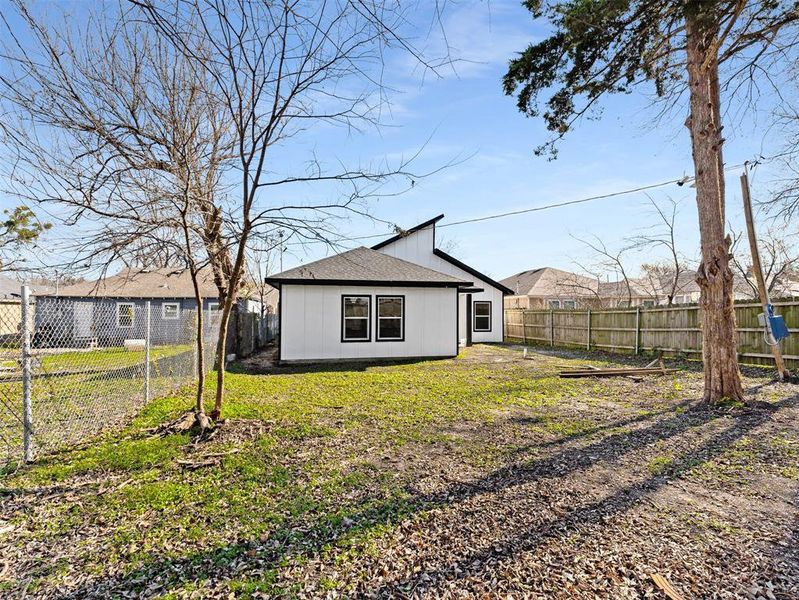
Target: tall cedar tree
(598,47)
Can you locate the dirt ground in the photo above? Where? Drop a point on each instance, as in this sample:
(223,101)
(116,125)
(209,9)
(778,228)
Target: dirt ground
(564,489)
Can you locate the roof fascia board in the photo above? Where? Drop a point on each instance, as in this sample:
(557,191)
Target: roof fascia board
(362,282)
(407,232)
(454,261)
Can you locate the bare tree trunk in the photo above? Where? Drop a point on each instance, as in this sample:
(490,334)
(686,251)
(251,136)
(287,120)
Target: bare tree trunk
(199,408)
(235,278)
(714,276)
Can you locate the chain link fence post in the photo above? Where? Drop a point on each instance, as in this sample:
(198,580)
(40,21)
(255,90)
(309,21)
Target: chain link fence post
(147,340)
(27,409)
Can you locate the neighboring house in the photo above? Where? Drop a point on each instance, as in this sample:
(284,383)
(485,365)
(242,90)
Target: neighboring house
(545,288)
(108,311)
(10,310)
(687,289)
(11,307)
(403,298)
(617,294)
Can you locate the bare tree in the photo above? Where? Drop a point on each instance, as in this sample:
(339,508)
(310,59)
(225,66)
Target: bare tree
(667,275)
(609,261)
(115,127)
(282,68)
(778,257)
(262,260)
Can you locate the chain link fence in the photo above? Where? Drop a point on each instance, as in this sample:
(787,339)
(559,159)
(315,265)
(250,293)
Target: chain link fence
(73,367)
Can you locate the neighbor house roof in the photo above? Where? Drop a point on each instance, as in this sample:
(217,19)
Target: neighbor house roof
(11,288)
(144,283)
(365,266)
(550,282)
(618,289)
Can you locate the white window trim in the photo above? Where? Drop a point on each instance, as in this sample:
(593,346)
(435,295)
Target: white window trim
(163,311)
(401,318)
(213,306)
(553,304)
(132,316)
(573,304)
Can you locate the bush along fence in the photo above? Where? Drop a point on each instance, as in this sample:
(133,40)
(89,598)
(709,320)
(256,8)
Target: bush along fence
(672,331)
(70,368)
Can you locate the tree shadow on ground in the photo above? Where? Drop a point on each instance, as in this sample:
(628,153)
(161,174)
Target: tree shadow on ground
(591,431)
(235,560)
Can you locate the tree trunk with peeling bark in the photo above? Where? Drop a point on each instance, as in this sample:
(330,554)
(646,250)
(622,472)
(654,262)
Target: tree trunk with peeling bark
(714,276)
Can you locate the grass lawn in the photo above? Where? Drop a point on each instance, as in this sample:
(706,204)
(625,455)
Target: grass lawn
(484,475)
(80,392)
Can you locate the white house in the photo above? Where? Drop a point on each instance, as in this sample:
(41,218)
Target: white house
(403,298)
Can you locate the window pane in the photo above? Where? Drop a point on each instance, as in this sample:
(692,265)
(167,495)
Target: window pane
(389,307)
(170,311)
(482,308)
(389,328)
(356,307)
(125,318)
(568,304)
(482,323)
(356,329)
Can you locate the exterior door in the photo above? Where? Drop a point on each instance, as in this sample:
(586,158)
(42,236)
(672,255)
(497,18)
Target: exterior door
(84,313)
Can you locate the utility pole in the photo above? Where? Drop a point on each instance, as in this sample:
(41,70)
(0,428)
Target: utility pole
(757,268)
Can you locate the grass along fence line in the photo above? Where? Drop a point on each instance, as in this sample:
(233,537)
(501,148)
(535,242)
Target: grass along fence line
(674,331)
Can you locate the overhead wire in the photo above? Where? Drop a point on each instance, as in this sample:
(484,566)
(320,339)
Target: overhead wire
(643,188)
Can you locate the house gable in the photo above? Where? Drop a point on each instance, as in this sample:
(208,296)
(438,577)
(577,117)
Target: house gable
(418,245)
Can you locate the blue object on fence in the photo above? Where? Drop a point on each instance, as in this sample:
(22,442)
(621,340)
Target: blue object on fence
(777,324)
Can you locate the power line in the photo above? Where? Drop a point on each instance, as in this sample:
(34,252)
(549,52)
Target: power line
(643,188)
(679,181)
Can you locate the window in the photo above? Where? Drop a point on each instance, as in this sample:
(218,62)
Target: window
(572,304)
(623,304)
(648,303)
(212,306)
(125,311)
(554,303)
(170,311)
(482,315)
(355,313)
(390,318)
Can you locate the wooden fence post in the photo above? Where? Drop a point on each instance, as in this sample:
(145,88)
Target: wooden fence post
(637,328)
(524,326)
(588,332)
(551,327)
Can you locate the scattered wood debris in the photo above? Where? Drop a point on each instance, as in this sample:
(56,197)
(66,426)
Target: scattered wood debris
(632,372)
(665,585)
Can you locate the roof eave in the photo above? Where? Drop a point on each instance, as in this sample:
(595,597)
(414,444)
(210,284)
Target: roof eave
(364,282)
(472,271)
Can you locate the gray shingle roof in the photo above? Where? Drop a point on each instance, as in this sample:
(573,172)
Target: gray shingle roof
(147,283)
(363,265)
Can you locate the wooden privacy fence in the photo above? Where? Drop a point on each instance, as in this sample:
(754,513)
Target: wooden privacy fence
(672,330)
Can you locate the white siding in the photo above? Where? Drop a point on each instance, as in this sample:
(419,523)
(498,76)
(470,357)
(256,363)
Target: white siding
(418,248)
(311,323)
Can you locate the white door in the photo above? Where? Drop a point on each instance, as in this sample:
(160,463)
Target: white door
(83,319)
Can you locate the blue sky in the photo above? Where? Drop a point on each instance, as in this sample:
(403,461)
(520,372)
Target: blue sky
(464,116)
